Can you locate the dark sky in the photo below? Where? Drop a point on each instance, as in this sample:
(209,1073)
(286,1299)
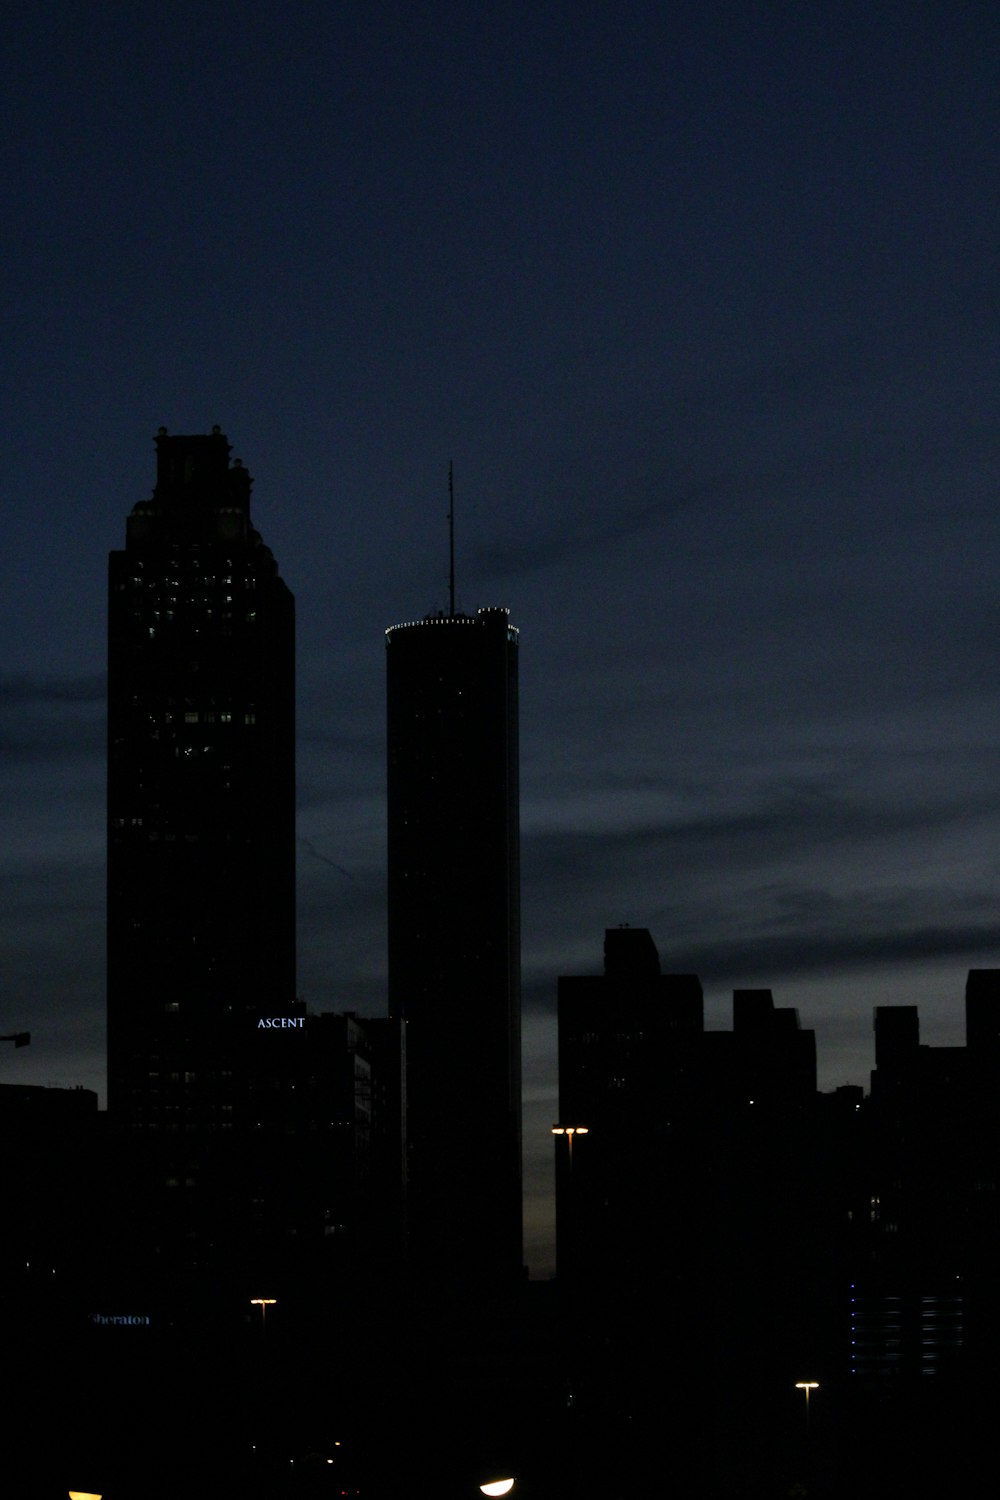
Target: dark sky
(703,302)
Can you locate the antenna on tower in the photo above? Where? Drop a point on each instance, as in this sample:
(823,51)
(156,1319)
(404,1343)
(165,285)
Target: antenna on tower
(451,539)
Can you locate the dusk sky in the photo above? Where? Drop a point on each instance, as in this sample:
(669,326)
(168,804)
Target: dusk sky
(702,300)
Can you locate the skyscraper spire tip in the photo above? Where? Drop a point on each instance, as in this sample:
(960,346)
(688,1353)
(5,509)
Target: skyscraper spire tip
(451,539)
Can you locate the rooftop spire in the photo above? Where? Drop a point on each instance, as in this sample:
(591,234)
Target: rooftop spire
(451,539)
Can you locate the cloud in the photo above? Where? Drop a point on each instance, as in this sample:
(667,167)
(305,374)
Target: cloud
(311,850)
(810,819)
(91,687)
(52,718)
(574,536)
(775,958)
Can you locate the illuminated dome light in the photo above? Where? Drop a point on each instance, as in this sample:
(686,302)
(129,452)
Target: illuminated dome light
(498,1487)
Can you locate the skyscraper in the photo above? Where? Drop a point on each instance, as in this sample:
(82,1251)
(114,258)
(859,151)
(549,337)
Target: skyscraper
(631,1047)
(201,851)
(454,935)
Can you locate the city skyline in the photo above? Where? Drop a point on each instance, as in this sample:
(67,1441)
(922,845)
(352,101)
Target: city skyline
(702,309)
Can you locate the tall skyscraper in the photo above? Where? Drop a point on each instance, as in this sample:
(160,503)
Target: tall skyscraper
(454,936)
(201,835)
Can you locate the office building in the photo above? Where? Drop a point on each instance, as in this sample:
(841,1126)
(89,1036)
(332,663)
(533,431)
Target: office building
(454,942)
(201,831)
(630,1067)
(926,1295)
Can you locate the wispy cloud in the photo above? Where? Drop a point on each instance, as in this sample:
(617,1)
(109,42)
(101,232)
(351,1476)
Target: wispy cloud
(323,859)
(24,688)
(578,534)
(778,957)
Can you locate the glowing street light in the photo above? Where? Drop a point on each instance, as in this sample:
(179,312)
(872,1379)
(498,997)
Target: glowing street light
(263,1303)
(807,1386)
(569,1131)
(497,1487)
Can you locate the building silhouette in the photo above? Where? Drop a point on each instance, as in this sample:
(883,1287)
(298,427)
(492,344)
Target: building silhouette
(925,1302)
(201,833)
(687,1213)
(630,1076)
(454,938)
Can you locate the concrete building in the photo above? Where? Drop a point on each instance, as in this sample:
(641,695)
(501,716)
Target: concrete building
(454,937)
(202,1013)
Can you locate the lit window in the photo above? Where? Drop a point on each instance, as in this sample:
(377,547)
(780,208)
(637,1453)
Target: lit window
(191,718)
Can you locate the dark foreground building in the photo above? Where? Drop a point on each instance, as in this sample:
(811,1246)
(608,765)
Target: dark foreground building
(688,1205)
(454,939)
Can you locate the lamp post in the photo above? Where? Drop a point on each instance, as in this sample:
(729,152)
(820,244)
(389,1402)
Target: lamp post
(263,1303)
(808,1386)
(567,1208)
(569,1131)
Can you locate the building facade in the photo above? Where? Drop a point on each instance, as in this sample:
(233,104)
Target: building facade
(201,818)
(454,936)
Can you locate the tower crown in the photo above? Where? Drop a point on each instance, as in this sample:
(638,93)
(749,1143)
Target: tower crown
(199,495)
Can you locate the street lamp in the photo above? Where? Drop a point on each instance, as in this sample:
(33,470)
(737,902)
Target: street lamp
(569,1131)
(807,1386)
(263,1303)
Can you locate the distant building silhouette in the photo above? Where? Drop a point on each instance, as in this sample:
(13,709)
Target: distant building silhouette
(925,1297)
(687,1212)
(201,867)
(667,1106)
(631,1074)
(201,831)
(52,1149)
(454,937)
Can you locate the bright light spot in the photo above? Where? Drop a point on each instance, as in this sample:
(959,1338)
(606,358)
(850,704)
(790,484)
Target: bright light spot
(498,1487)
